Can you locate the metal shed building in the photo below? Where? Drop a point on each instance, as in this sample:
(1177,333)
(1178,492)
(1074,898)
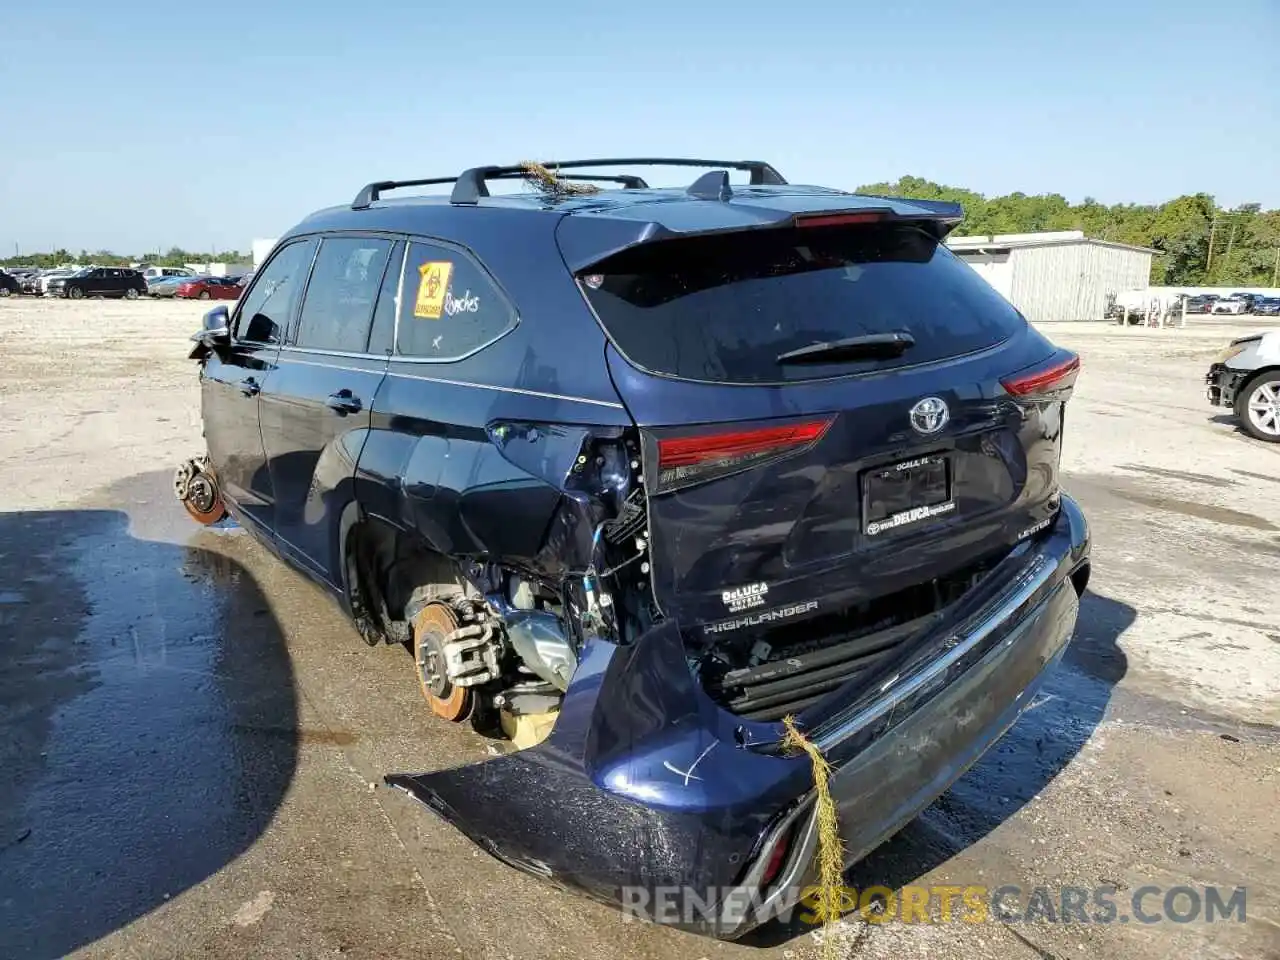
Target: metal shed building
(1056,276)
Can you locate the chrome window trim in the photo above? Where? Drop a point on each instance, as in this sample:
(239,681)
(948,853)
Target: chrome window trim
(517,390)
(380,358)
(321,352)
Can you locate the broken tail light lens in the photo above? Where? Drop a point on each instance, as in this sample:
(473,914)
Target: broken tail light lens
(777,858)
(1057,373)
(696,459)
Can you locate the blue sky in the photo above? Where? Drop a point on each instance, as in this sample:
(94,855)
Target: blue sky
(141,127)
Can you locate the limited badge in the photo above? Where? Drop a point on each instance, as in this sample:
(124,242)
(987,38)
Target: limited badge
(433,287)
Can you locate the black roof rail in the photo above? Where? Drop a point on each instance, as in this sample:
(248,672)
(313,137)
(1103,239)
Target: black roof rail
(372,191)
(470,186)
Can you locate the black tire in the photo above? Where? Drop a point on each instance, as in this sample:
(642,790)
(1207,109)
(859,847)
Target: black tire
(204,294)
(1260,392)
(5,291)
(75,293)
(131,294)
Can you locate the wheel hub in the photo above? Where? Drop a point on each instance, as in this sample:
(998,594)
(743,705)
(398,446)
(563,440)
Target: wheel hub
(201,493)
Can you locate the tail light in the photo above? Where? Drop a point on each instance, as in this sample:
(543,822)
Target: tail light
(1057,373)
(777,858)
(707,456)
(837,219)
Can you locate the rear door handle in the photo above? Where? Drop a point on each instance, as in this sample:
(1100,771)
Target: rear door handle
(343,402)
(249,387)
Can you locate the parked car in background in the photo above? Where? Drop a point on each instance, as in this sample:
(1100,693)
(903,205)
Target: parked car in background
(1232,304)
(158,273)
(1246,378)
(49,276)
(1266,307)
(210,288)
(1200,304)
(100,282)
(165,286)
(9,284)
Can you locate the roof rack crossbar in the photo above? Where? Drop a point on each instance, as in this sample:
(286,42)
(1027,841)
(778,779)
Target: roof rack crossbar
(627,181)
(470,186)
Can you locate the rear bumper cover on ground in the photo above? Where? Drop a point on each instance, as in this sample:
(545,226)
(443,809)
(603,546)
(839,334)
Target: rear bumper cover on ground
(643,795)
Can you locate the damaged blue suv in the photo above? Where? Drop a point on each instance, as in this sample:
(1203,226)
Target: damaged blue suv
(638,473)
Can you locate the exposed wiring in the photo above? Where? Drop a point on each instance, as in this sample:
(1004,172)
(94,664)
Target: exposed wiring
(625,563)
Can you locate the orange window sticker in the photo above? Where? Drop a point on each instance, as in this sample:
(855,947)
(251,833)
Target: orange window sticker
(433,286)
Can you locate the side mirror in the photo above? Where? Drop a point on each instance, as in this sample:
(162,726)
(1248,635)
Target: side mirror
(215,333)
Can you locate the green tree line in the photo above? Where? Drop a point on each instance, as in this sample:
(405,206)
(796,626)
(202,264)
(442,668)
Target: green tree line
(175,257)
(1198,241)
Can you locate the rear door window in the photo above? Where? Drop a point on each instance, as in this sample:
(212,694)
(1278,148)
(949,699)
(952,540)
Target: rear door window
(266,307)
(449,306)
(724,308)
(341,294)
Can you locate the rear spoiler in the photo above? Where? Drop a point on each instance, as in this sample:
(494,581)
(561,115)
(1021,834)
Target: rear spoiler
(587,239)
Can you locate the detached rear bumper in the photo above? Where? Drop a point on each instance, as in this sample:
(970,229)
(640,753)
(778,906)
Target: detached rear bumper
(645,797)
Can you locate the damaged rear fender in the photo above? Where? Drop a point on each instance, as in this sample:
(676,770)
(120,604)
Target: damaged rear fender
(640,785)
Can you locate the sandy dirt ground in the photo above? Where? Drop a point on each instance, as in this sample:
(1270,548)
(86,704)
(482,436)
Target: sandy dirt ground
(194,738)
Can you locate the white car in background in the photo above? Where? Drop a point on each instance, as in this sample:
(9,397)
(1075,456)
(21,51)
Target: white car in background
(1245,378)
(1235,305)
(157,273)
(42,285)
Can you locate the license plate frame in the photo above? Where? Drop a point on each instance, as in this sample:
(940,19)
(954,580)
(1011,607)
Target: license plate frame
(905,496)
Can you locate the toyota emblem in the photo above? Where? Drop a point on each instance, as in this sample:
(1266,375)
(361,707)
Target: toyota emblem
(930,415)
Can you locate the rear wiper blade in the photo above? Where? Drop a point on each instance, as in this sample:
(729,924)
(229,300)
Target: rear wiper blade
(870,346)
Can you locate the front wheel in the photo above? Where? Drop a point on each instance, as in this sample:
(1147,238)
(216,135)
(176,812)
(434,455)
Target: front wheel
(1258,407)
(75,293)
(204,294)
(131,294)
(4,292)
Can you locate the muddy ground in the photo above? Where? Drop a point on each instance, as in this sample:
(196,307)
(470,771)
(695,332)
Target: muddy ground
(193,738)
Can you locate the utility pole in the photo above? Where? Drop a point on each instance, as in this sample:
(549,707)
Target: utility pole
(1230,241)
(1275,271)
(1213,230)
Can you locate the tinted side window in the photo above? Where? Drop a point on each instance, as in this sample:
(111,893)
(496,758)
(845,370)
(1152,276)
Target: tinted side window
(382,336)
(267,306)
(341,294)
(449,306)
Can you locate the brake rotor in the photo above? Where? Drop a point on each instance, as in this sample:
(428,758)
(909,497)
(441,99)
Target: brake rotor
(431,629)
(199,494)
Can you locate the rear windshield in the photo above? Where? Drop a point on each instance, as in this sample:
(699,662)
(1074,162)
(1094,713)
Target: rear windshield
(723,308)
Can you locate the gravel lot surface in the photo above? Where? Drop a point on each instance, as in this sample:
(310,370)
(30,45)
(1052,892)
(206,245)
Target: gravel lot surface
(192,734)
